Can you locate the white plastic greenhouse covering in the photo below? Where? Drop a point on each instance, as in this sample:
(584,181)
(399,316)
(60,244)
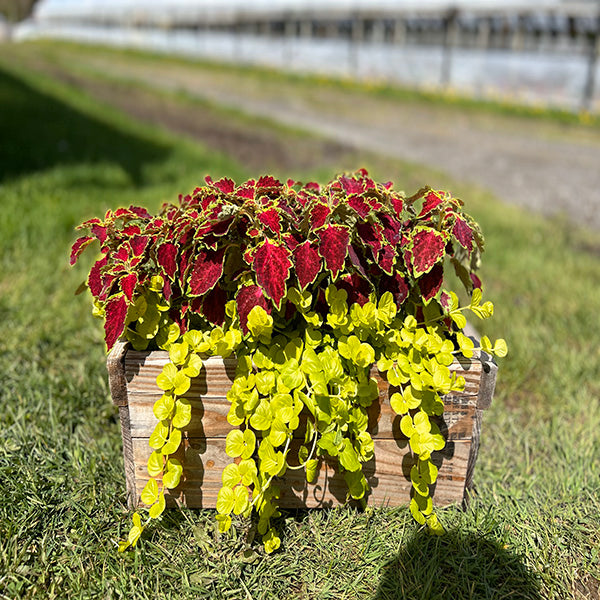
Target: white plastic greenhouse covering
(155,10)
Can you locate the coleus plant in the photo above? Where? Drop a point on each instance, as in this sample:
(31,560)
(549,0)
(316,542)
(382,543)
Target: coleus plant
(310,287)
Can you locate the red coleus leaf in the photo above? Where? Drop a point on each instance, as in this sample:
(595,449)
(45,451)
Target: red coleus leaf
(131,230)
(334,247)
(446,301)
(291,240)
(308,263)
(207,270)
(397,204)
(271,219)
(272,266)
(166,256)
(140,212)
(318,215)
(213,305)
(431,283)
(359,204)
(268,182)
(463,233)
(428,247)
(95,277)
(247,298)
(432,201)
(114,324)
(128,284)
(89,223)
(78,248)
(224,185)
(351,185)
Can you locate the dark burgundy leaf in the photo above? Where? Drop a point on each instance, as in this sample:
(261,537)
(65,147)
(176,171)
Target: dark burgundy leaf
(247,298)
(463,233)
(431,283)
(386,259)
(166,256)
(356,260)
(167,289)
(140,212)
(213,305)
(78,248)
(370,234)
(272,266)
(476,281)
(207,270)
(308,263)
(114,324)
(391,228)
(357,287)
(334,247)
(100,232)
(128,284)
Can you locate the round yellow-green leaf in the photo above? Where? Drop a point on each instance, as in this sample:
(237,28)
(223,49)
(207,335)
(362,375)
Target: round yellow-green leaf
(241,499)
(183,413)
(172,478)
(150,492)
(159,436)
(178,353)
(158,508)
(231,475)
(225,501)
(155,464)
(163,407)
(173,442)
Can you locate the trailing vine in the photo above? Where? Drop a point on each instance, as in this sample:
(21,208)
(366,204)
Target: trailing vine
(311,288)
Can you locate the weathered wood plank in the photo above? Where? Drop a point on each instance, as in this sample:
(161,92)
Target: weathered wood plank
(210,406)
(204,455)
(387,474)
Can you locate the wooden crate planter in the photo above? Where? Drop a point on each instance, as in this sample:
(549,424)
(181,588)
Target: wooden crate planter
(132,377)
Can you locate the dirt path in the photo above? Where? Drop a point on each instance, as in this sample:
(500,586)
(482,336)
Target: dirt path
(540,165)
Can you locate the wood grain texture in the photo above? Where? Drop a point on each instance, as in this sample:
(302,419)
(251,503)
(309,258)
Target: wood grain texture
(203,450)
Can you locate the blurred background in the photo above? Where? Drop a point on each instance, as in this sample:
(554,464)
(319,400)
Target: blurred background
(542,52)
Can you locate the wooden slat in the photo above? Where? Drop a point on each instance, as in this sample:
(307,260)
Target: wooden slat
(210,405)
(204,455)
(387,474)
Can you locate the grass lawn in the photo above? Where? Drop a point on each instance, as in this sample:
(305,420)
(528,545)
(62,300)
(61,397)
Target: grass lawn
(531,531)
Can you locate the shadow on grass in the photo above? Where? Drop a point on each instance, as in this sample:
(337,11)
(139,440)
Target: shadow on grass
(453,567)
(38,132)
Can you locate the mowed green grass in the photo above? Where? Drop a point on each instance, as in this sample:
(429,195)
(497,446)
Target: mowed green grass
(531,531)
